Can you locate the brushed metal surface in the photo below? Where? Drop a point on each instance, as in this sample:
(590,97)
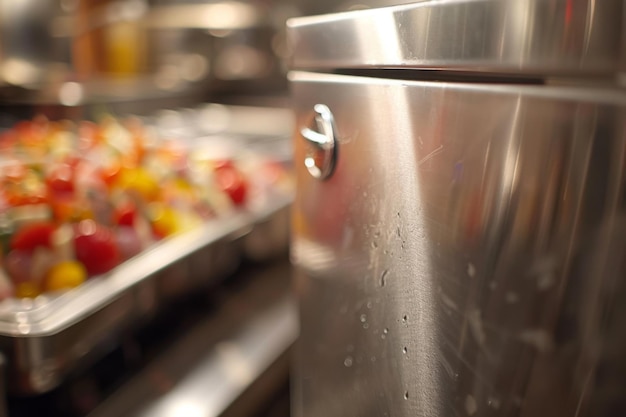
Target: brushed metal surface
(521,36)
(466,258)
(231,366)
(211,366)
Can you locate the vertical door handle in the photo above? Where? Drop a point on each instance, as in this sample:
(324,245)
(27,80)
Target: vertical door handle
(321,153)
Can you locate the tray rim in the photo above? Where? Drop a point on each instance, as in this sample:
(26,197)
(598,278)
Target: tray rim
(50,315)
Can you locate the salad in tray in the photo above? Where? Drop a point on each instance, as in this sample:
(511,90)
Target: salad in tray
(77,199)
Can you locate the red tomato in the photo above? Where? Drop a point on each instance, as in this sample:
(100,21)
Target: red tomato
(95,247)
(60,179)
(124,214)
(32,235)
(232,182)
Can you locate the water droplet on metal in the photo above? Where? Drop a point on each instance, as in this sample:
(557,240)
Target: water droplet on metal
(373,359)
(493,403)
(363,318)
(348,361)
(366,326)
(369,305)
(383,278)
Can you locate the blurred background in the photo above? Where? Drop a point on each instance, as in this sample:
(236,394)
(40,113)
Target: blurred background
(80,52)
(215,320)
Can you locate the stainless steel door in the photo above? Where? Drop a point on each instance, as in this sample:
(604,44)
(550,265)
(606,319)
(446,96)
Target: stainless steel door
(519,37)
(466,255)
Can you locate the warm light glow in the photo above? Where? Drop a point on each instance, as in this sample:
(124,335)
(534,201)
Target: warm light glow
(71,94)
(186,409)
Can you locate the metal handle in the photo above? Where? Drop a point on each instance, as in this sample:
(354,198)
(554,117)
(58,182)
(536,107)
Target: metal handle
(321,155)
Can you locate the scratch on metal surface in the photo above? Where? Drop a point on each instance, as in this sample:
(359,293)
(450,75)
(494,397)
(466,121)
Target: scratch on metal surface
(430,156)
(476,326)
(446,366)
(583,394)
(479,377)
(447,301)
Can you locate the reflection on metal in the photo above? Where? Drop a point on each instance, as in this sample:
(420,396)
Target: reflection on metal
(231,366)
(220,16)
(322,154)
(224,357)
(312,257)
(521,36)
(467,255)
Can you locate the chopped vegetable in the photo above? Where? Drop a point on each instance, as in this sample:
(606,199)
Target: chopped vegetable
(33,235)
(95,247)
(64,275)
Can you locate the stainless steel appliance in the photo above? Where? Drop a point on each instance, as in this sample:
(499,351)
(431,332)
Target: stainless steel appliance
(459,226)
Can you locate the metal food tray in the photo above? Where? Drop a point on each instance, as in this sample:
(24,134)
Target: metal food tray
(46,338)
